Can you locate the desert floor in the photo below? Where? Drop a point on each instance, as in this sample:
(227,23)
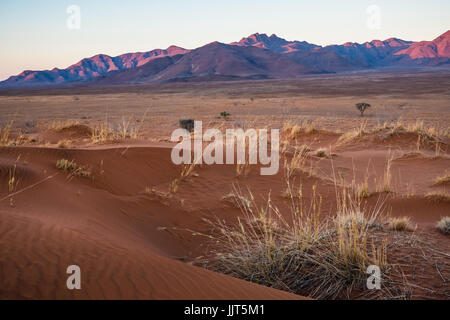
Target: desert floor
(140,227)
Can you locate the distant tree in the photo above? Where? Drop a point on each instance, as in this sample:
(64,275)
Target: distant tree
(225,115)
(362,106)
(187,124)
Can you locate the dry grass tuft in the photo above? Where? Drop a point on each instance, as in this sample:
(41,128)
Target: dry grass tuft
(237,200)
(73,168)
(59,125)
(294,131)
(322,258)
(243,169)
(127,128)
(418,127)
(444,225)
(298,163)
(386,184)
(187,170)
(362,190)
(173,185)
(5,133)
(425,135)
(101,133)
(437,197)
(302,149)
(63,144)
(353,135)
(401,224)
(322,153)
(13,181)
(442,180)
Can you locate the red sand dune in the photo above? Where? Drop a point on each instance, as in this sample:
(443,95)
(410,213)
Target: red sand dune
(107,226)
(131,243)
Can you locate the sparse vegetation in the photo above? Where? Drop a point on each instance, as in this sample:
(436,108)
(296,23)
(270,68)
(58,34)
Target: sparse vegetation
(243,169)
(386,184)
(12,182)
(354,134)
(427,136)
(63,144)
(437,197)
(127,128)
(187,124)
(58,125)
(317,247)
(294,131)
(322,258)
(101,133)
(225,115)
(443,180)
(298,163)
(322,153)
(5,134)
(400,224)
(304,149)
(72,168)
(187,170)
(66,165)
(309,246)
(173,185)
(237,200)
(444,225)
(363,190)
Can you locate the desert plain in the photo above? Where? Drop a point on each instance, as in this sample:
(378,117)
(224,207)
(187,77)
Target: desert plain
(87,179)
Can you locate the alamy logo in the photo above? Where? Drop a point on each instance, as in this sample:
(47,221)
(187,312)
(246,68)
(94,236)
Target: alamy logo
(236,141)
(374,17)
(374,280)
(74,280)
(74,18)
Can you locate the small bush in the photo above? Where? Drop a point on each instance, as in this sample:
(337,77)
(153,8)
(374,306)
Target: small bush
(187,124)
(400,224)
(295,131)
(63,144)
(437,197)
(173,185)
(445,179)
(66,165)
(72,168)
(5,133)
(362,106)
(321,153)
(363,190)
(353,134)
(59,125)
(225,115)
(101,133)
(309,256)
(444,225)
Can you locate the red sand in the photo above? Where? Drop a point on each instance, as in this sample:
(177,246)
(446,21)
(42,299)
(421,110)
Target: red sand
(106,226)
(130,243)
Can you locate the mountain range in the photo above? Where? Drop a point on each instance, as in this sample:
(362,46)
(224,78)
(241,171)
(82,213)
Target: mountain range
(258,56)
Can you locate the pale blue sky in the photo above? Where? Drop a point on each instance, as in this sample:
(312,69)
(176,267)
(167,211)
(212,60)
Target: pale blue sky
(33,34)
